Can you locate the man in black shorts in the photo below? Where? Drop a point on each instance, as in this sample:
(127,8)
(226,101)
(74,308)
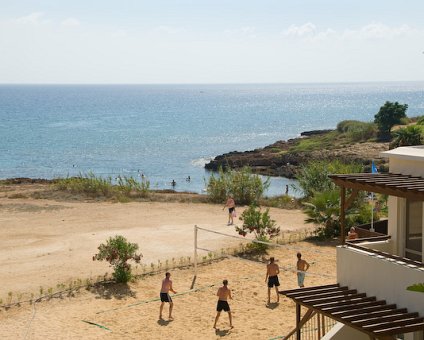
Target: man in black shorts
(164,295)
(223,294)
(272,271)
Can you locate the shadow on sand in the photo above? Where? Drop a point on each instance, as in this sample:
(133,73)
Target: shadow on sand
(222,332)
(162,322)
(272,305)
(112,290)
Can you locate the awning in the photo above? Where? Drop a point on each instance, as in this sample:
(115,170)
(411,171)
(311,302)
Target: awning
(366,314)
(388,183)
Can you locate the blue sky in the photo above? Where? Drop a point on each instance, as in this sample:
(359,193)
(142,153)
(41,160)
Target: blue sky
(210,41)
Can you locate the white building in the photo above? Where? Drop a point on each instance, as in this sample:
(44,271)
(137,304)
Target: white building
(371,300)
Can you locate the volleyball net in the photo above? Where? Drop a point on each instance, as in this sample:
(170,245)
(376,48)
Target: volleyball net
(198,249)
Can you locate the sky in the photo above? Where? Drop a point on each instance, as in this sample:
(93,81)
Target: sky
(210,41)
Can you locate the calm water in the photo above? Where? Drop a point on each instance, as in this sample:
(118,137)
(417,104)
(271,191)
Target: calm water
(168,132)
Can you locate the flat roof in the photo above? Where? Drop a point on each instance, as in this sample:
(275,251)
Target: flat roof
(398,185)
(415,153)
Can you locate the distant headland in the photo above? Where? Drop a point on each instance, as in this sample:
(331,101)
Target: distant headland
(284,158)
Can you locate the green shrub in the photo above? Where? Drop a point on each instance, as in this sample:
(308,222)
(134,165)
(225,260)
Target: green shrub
(410,135)
(405,121)
(117,251)
(313,177)
(420,120)
(362,133)
(323,210)
(247,188)
(89,184)
(95,186)
(260,224)
(344,125)
(357,131)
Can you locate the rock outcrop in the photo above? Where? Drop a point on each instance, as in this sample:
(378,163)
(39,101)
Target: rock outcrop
(278,160)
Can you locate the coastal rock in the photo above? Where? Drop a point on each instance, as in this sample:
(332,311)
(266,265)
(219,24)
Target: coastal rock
(315,132)
(278,160)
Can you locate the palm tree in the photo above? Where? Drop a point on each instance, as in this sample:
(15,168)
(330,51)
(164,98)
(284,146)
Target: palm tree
(411,135)
(323,210)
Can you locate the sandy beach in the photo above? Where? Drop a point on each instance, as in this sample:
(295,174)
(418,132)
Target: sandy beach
(48,242)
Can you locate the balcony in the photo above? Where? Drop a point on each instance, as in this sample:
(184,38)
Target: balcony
(380,273)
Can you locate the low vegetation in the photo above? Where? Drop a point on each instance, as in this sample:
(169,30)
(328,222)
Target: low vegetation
(246,188)
(96,186)
(259,223)
(313,177)
(118,251)
(322,198)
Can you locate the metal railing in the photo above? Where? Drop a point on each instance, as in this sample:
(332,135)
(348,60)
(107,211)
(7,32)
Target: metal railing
(314,329)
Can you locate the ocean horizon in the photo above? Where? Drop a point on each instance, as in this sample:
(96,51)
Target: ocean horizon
(169,131)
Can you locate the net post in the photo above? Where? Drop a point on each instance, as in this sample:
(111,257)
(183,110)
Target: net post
(194,258)
(195,250)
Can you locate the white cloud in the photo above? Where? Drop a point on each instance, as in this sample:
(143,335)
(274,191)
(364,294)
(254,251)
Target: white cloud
(379,31)
(70,22)
(305,30)
(34,18)
(309,31)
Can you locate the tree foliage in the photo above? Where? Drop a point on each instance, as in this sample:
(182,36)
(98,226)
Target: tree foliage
(389,115)
(313,177)
(117,251)
(410,135)
(246,188)
(323,210)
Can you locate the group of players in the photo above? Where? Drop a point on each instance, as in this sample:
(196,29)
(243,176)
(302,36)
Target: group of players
(224,293)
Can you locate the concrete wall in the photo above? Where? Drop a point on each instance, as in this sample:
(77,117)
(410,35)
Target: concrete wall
(342,332)
(381,278)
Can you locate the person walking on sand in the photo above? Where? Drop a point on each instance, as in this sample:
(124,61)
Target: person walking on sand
(231,205)
(272,271)
(302,267)
(224,293)
(165,297)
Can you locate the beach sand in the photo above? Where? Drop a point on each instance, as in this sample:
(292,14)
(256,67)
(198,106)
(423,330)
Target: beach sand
(129,312)
(47,242)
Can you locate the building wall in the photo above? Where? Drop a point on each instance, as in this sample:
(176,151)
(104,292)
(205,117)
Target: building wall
(381,278)
(406,167)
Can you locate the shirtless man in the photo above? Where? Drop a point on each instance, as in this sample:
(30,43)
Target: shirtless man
(352,234)
(223,294)
(302,267)
(272,271)
(164,295)
(231,205)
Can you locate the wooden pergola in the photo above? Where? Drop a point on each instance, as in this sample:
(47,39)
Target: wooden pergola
(388,183)
(367,314)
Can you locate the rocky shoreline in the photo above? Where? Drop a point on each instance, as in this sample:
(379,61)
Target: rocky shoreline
(278,159)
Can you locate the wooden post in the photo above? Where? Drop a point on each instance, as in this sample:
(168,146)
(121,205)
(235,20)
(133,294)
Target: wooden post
(298,321)
(194,258)
(342,213)
(319,325)
(195,250)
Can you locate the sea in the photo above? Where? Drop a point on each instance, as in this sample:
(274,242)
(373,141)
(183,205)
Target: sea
(169,132)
